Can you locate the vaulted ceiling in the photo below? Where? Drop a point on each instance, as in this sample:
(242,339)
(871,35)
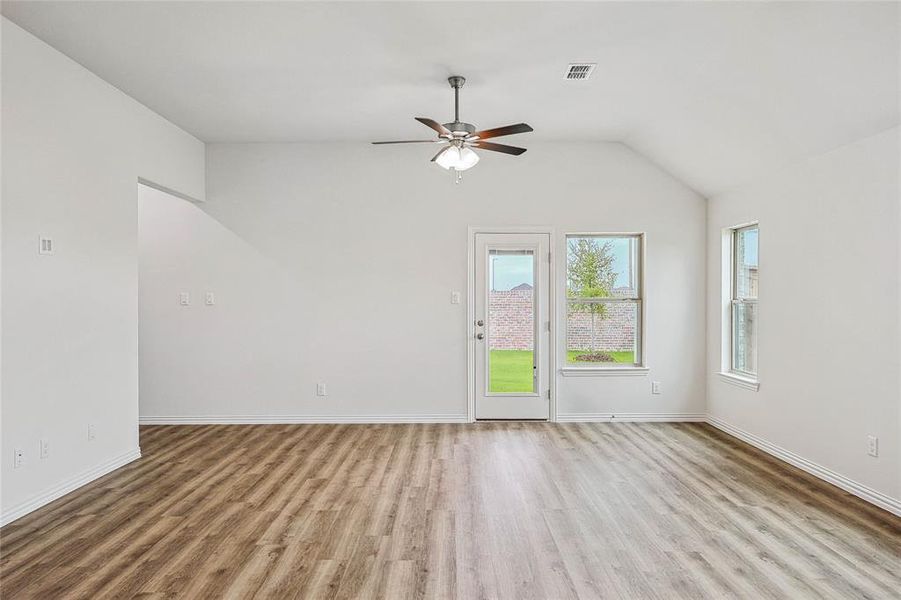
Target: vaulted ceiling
(716,93)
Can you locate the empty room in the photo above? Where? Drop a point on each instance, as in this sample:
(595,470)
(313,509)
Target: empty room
(450,300)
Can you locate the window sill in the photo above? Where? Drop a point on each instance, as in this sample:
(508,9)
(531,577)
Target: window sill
(604,371)
(738,380)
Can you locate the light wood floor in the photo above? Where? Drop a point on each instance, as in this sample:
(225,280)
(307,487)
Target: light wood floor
(491,510)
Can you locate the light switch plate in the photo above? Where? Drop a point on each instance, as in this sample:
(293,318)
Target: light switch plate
(45,245)
(184,298)
(455,297)
(209,299)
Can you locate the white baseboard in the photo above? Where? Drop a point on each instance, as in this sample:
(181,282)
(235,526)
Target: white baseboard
(631,418)
(872,496)
(69,485)
(297,419)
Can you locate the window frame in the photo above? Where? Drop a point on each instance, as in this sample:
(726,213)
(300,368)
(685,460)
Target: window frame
(637,263)
(735,300)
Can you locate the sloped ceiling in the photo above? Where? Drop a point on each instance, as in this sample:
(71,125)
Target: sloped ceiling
(716,93)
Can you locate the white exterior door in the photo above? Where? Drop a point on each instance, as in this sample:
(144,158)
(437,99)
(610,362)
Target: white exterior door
(511,329)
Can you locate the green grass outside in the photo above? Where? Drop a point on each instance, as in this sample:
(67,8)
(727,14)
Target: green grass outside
(511,370)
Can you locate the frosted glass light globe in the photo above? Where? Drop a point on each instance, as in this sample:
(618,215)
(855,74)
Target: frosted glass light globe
(459,159)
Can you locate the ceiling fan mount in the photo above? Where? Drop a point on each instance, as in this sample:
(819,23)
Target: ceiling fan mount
(460,137)
(457,127)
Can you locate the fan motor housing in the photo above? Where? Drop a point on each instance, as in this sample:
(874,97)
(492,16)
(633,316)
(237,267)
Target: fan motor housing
(460,128)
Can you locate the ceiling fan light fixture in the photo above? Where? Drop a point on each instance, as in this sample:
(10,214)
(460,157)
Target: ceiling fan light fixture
(457,158)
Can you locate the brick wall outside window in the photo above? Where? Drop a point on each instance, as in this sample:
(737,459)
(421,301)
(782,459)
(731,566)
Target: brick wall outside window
(511,325)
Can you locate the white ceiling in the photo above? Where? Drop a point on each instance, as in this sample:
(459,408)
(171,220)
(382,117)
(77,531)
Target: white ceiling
(716,93)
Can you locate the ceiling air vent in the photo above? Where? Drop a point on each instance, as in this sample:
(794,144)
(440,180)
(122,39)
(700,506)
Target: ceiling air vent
(579,71)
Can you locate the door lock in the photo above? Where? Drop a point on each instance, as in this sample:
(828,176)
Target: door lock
(480,322)
(480,336)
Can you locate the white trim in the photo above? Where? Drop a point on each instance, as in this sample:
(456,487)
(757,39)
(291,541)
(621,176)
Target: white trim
(632,418)
(725,336)
(860,490)
(297,419)
(470,312)
(602,372)
(738,380)
(69,485)
(514,229)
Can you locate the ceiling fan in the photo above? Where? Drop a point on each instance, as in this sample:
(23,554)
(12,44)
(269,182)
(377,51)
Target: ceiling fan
(460,138)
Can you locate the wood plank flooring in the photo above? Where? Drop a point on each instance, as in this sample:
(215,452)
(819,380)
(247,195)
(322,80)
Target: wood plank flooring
(488,510)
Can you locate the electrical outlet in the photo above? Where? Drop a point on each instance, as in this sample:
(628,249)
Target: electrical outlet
(873,445)
(92,432)
(45,448)
(18,457)
(320,389)
(184,298)
(209,299)
(655,387)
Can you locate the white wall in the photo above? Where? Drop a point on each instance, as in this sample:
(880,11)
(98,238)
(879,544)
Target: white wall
(335,263)
(73,148)
(828,325)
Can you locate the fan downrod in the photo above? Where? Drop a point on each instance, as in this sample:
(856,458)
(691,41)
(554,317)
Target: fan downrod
(458,127)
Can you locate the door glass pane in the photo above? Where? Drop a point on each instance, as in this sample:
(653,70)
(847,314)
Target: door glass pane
(744,337)
(602,333)
(511,321)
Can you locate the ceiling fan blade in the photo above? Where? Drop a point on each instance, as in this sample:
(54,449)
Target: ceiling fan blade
(500,131)
(441,129)
(410,142)
(499,148)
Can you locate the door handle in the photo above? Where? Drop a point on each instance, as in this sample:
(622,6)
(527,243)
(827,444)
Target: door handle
(480,336)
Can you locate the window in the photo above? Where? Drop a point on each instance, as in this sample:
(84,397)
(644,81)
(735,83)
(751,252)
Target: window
(603,300)
(743,316)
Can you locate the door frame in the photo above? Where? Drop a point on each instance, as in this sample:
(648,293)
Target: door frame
(470,314)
